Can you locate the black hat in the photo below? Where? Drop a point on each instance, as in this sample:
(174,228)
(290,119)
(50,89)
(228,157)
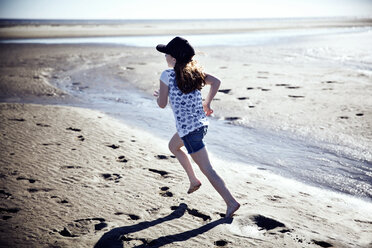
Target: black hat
(179,48)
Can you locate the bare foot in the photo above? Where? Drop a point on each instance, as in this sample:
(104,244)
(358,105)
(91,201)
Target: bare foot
(193,188)
(232,209)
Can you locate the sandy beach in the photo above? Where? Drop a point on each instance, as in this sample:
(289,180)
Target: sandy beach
(74,176)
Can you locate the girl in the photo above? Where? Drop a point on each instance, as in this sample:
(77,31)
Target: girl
(182,86)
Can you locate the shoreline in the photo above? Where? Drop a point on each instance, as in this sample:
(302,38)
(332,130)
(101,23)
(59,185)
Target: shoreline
(175,27)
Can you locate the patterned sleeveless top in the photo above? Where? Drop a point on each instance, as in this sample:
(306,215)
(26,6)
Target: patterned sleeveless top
(187,108)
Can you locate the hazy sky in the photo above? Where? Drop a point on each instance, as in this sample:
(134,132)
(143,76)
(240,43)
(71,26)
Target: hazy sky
(186,9)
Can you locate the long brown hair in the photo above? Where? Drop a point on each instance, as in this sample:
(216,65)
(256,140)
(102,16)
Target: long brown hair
(189,76)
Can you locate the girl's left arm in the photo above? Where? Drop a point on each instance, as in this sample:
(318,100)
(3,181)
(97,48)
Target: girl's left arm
(215,85)
(162,95)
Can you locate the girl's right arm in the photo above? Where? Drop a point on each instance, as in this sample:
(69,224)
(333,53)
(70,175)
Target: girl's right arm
(215,85)
(162,95)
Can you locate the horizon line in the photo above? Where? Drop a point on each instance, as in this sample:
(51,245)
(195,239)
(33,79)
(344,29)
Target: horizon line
(182,19)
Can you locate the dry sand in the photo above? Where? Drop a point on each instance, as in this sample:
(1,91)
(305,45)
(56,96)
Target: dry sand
(74,177)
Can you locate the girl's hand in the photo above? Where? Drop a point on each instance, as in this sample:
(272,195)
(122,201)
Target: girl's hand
(156,93)
(207,108)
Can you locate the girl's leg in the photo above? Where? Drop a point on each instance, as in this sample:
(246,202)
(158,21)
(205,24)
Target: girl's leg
(175,145)
(202,159)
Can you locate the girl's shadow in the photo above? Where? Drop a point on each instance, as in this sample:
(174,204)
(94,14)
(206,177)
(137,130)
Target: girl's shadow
(115,237)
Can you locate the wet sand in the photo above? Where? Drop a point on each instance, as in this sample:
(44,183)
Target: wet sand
(75,177)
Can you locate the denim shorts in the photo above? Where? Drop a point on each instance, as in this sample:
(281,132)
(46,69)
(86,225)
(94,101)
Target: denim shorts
(194,141)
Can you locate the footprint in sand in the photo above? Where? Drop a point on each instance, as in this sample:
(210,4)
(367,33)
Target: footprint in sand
(60,200)
(113,146)
(50,144)
(81,138)
(111,177)
(273,198)
(160,172)
(71,167)
(165,192)
(243,98)
(42,125)
(304,194)
(221,242)
(73,129)
(196,213)
(329,82)
(344,117)
(5,195)
(265,223)
(30,180)
(281,84)
(17,119)
(83,227)
(35,190)
(296,96)
(133,216)
(293,87)
(122,159)
(161,157)
(152,210)
(232,118)
(364,221)
(250,88)
(225,91)
(359,114)
(8,211)
(222,215)
(321,243)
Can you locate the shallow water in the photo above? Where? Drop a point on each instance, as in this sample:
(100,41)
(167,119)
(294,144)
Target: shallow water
(234,39)
(317,163)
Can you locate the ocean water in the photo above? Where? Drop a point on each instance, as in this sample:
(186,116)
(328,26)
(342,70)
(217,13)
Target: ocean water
(255,38)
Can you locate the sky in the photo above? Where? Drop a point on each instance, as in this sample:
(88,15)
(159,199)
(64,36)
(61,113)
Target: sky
(186,9)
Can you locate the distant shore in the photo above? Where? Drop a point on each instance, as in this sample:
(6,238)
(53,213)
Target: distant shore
(17,29)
